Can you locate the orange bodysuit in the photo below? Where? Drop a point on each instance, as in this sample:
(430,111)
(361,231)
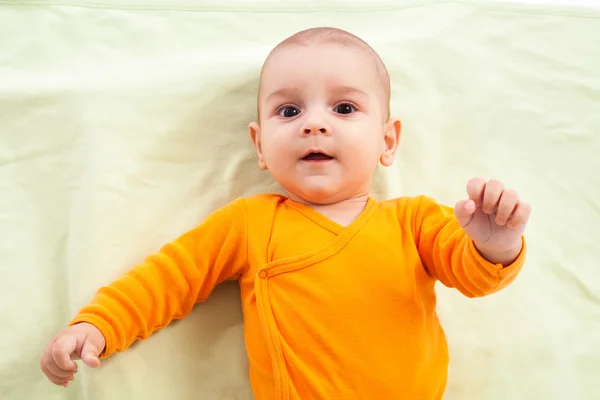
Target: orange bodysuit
(330,312)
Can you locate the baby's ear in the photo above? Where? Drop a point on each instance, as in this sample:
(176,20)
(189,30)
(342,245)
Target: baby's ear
(391,138)
(255,136)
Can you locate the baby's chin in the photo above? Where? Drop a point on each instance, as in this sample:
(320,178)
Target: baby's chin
(317,194)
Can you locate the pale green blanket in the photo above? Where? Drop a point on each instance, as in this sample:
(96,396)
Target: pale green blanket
(123,123)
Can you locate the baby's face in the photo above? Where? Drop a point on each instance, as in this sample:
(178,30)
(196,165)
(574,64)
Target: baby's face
(323,122)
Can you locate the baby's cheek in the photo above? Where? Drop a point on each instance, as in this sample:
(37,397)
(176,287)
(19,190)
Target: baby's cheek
(277,154)
(270,146)
(362,148)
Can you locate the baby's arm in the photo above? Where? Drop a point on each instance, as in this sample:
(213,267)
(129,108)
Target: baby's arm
(163,287)
(473,250)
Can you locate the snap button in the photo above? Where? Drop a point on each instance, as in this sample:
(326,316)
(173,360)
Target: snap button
(263,274)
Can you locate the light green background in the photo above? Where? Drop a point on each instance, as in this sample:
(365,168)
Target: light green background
(123,125)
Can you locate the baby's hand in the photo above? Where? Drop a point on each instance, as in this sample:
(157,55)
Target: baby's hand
(81,341)
(494,218)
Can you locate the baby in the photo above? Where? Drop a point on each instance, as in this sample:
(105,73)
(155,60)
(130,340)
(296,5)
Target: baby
(337,287)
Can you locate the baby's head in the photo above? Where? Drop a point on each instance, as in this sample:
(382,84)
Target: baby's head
(323,123)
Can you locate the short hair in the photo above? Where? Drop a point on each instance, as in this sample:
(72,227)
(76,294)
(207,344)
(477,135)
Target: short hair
(338,36)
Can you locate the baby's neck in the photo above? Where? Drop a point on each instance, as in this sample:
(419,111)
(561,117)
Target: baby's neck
(343,212)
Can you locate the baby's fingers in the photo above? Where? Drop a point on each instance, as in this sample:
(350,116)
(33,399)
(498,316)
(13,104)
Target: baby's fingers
(475,189)
(491,195)
(506,206)
(520,215)
(60,379)
(55,370)
(61,352)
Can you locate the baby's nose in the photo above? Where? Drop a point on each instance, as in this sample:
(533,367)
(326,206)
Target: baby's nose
(315,128)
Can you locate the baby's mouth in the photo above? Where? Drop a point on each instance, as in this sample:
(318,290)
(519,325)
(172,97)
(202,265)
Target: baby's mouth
(317,156)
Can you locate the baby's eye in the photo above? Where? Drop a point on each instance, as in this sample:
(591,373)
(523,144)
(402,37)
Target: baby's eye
(288,111)
(345,108)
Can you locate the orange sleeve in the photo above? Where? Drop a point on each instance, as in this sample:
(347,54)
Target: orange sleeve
(451,257)
(166,285)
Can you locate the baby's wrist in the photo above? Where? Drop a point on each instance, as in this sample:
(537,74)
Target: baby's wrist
(500,256)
